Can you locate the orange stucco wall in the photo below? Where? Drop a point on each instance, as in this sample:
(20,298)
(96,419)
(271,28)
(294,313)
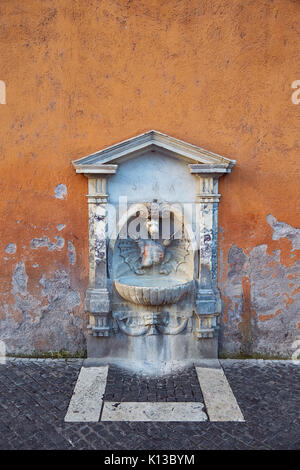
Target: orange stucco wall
(82,75)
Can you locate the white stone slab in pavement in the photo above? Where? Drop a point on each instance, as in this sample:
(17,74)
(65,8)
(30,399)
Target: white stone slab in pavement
(153,411)
(219,399)
(87,400)
(2,352)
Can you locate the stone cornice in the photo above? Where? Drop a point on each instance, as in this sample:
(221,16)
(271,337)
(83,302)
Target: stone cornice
(92,170)
(214,171)
(105,162)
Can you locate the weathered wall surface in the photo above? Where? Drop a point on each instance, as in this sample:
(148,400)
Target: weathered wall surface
(84,75)
(261,295)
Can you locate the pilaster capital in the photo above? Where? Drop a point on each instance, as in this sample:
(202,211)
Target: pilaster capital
(206,198)
(97,301)
(97,198)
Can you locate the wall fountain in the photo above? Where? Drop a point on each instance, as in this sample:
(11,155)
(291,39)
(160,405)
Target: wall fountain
(153,224)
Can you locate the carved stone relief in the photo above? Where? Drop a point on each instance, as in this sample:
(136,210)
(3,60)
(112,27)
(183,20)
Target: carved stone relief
(153,280)
(141,254)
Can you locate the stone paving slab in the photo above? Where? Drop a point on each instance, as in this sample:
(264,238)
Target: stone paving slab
(157,411)
(34,398)
(220,402)
(86,401)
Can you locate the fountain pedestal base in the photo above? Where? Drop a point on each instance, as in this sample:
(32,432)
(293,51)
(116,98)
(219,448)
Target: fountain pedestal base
(152,348)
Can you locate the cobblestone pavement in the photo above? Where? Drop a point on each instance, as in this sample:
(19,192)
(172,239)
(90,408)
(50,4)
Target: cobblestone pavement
(35,394)
(122,385)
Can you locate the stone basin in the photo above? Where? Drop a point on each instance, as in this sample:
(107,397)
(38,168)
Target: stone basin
(149,291)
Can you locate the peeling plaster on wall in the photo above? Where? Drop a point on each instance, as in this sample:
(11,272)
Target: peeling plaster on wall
(261,299)
(44,321)
(19,279)
(45,242)
(282,230)
(11,248)
(60,227)
(71,252)
(61,191)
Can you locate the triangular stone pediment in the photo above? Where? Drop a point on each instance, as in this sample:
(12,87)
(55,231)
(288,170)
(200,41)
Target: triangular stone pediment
(106,161)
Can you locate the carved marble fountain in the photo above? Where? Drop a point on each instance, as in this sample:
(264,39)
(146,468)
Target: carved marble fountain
(153,224)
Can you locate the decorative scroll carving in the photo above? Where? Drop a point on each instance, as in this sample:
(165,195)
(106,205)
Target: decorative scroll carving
(151,323)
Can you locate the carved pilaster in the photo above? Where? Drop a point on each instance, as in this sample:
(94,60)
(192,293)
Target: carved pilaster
(207,298)
(97,302)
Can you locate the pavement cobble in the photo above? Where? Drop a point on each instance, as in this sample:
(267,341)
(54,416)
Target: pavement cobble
(35,394)
(124,385)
